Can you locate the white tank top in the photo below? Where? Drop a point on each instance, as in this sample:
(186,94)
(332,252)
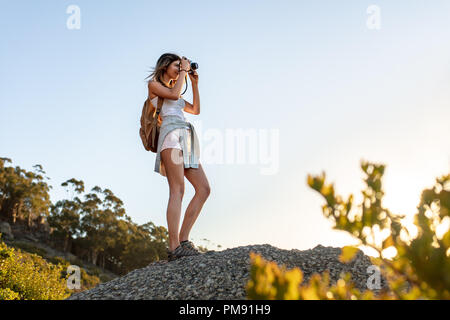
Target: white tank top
(171,107)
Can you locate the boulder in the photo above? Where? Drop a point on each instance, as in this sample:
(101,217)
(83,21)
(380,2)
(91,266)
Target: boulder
(224,274)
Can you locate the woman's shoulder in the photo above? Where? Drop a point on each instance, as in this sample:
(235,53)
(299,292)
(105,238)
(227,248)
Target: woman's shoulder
(150,93)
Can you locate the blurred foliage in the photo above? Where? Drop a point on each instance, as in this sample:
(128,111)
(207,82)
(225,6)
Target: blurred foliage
(270,282)
(420,268)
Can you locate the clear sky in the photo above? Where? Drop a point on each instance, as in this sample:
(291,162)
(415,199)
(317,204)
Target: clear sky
(317,86)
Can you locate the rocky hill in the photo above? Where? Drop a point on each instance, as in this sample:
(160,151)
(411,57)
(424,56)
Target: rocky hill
(223,274)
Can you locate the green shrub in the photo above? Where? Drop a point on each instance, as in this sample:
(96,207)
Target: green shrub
(29,277)
(8,294)
(88,280)
(30,248)
(59,260)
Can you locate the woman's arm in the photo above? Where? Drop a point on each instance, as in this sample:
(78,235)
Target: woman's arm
(193,108)
(173,93)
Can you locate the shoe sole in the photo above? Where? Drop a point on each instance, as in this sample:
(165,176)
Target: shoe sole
(192,249)
(175,257)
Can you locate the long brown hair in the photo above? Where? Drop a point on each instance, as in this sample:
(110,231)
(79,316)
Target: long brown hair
(161,65)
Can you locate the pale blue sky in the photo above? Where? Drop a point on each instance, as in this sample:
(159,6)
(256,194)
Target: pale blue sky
(336,91)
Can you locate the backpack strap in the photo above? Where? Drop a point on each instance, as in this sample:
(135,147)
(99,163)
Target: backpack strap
(155,119)
(158,108)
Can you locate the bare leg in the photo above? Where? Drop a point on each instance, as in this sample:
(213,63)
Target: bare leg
(173,163)
(197,178)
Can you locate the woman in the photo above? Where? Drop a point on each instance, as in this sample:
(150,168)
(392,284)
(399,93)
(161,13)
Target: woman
(178,149)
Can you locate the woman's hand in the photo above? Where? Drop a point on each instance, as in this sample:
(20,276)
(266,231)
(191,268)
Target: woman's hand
(185,64)
(194,77)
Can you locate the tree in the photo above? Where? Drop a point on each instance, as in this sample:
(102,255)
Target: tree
(99,221)
(65,215)
(23,194)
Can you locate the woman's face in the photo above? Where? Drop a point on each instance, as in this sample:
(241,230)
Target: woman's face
(173,70)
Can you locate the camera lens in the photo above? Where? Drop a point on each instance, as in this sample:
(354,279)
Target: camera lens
(194,65)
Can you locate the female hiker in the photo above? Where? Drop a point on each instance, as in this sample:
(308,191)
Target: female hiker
(178,148)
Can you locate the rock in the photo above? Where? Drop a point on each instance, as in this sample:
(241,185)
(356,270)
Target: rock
(224,274)
(5,230)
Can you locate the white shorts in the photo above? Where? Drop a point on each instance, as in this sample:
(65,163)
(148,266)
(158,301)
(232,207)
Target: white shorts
(172,139)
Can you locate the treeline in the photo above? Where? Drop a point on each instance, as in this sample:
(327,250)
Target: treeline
(92,226)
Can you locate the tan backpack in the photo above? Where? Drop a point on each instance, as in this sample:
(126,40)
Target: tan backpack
(150,124)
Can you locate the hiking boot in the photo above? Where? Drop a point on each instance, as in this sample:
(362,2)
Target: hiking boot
(179,252)
(190,246)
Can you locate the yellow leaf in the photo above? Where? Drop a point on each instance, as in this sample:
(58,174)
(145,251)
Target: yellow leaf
(388,242)
(348,252)
(446,239)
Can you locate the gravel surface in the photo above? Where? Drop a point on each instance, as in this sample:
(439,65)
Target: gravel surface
(223,274)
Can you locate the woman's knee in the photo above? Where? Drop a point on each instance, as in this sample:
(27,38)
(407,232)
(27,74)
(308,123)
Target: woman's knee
(204,190)
(177,190)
